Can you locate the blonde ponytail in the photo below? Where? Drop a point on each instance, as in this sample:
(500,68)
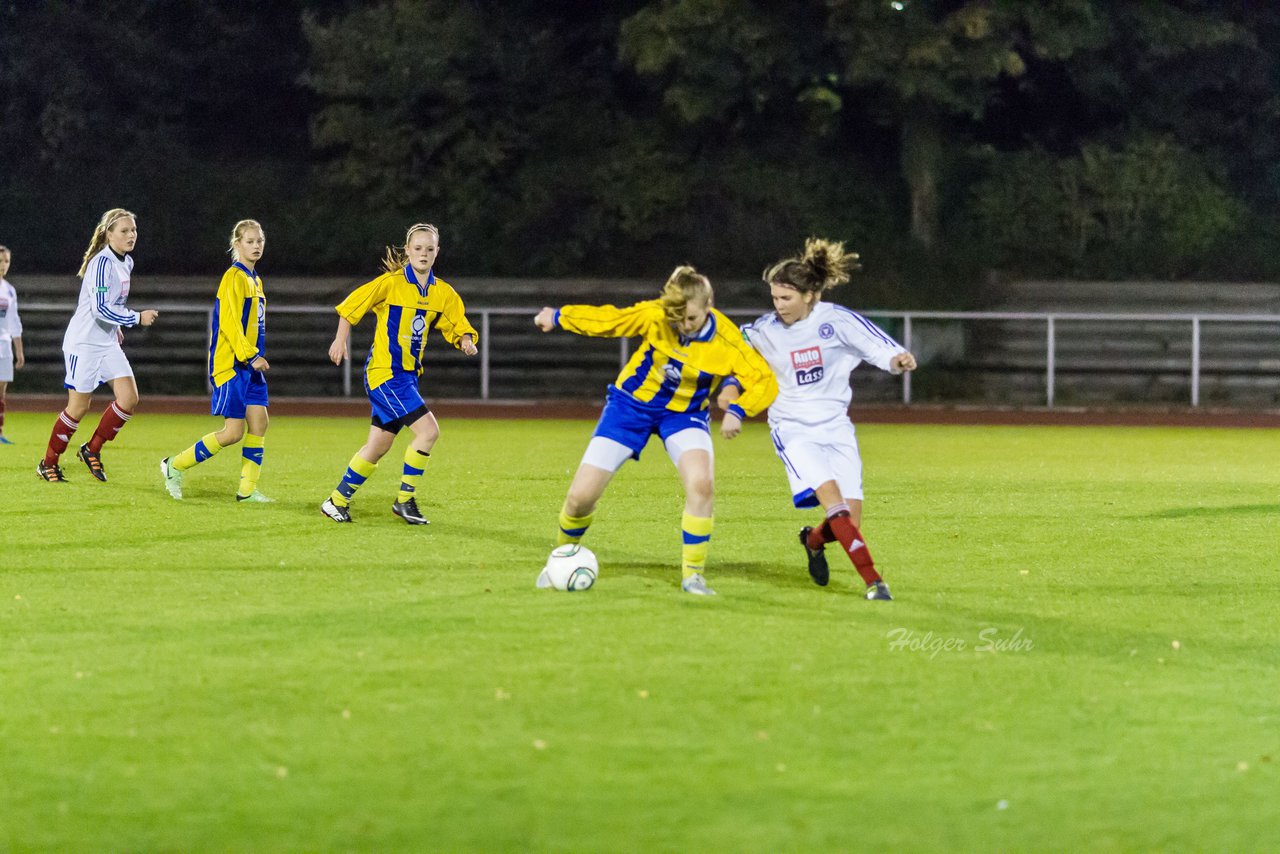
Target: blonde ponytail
(99,238)
(685,285)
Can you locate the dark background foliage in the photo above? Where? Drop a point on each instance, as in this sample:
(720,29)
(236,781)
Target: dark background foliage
(941,139)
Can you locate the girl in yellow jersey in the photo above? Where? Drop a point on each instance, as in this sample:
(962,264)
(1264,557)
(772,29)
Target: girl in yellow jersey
(407,301)
(689,347)
(237,368)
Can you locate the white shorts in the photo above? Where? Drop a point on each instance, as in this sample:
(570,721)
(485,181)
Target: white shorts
(6,362)
(814,455)
(608,454)
(88,369)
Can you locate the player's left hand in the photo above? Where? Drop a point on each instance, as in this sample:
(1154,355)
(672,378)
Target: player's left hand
(469,346)
(902,362)
(730,425)
(19,360)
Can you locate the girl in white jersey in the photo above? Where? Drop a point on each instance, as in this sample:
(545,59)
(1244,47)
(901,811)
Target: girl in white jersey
(10,335)
(812,347)
(91,347)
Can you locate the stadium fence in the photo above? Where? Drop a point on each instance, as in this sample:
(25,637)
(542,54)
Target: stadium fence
(967,357)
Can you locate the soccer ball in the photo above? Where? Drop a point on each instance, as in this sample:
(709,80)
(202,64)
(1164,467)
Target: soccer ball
(571,567)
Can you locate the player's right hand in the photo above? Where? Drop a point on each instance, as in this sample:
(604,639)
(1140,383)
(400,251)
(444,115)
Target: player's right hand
(259,363)
(148,317)
(337,351)
(545,319)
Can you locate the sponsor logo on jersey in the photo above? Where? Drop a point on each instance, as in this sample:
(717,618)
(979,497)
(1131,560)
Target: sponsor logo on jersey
(419,329)
(808,365)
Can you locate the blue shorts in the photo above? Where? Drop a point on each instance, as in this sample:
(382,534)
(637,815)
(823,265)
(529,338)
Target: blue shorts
(396,403)
(247,388)
(630,422)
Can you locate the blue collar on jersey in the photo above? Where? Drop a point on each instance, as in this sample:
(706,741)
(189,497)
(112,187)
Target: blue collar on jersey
(250,273)
(412,278)
(706,333)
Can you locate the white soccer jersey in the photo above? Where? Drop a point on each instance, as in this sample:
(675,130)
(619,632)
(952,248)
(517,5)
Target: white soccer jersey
(101,311)
(10,324)
(812,359)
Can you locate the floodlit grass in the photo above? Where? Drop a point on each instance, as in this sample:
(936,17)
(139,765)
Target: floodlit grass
(1083,652)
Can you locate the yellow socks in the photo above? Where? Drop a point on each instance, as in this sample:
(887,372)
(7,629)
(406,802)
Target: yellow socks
(197,453)
(358,471)
(572,527)
(415,463)
(697,538)
(251,452)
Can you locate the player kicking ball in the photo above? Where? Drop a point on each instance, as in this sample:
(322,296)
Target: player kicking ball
(812,347)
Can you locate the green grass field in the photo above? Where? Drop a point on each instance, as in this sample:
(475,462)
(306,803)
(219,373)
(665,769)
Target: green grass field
(208,676)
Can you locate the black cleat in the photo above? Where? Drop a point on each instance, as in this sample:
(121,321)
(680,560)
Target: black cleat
(93,460)
(879,590)
(52,474)
(818,570)
(334,512)
(408,511)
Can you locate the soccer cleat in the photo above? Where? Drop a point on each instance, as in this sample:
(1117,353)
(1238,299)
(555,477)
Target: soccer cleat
(818,570)
(334,512)
(408,511)
(879,590)
(172,478)
(5,440)
(697,585)
(52,474)
(93,460)
(255,497)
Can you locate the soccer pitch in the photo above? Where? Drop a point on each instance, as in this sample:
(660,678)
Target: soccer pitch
(1082,652)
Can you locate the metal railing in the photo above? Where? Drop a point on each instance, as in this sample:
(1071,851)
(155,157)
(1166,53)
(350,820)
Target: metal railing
(908,319)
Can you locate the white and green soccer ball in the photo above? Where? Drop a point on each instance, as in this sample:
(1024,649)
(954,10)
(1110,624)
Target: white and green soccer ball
(572,567)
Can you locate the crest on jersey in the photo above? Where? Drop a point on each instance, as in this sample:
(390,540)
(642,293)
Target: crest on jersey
(826,331)
(672,373)
(807,364)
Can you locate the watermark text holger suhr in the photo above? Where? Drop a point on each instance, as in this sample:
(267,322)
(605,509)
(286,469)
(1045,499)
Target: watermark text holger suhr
(988,639)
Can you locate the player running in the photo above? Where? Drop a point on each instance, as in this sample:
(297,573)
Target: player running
(91,346)
(11,356)
(812,347)
(237,368)
(407,301)
(689,347)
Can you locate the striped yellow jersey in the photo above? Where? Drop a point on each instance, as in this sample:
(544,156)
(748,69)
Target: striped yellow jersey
(671,370)
(405,309)
(238,328)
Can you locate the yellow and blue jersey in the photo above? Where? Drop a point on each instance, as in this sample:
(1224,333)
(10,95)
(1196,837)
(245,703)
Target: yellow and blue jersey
(238,328)
(673,371)
(405,310)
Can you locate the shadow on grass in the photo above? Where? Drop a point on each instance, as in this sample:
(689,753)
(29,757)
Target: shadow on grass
(776,575)
(1232,510)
